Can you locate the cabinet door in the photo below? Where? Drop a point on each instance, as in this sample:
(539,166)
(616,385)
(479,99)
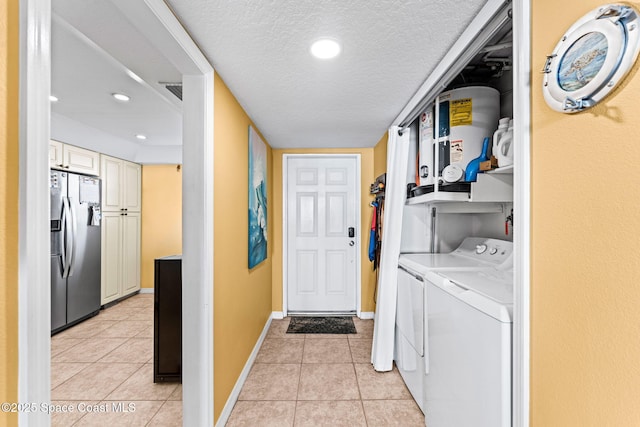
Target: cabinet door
(132,183)
(55,154)
(78,159)
(130,253)
(112,171)
(111,256)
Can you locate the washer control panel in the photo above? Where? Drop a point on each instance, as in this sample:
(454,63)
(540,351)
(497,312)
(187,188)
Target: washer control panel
(494,251)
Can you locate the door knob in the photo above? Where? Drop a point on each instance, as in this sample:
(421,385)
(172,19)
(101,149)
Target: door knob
(351,243)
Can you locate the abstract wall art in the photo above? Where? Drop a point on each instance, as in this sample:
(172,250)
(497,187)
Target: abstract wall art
(257,199)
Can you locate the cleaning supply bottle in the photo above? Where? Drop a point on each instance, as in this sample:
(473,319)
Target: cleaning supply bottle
(504,153)
(503,125)
(472,169)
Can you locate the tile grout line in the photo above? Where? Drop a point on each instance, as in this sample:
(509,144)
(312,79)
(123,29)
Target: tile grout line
(295,407)
(357,382)
(64,351)
(155,413)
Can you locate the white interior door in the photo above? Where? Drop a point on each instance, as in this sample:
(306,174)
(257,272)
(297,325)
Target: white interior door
(321,205)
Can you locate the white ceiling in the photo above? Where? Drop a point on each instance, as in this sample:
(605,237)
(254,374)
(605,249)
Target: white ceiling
(261,50)
(94,50)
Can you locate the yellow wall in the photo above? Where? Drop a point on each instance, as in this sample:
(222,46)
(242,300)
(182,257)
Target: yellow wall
(380,156)
(8,206)
(161,217)
(367,273)
(242,297)
(585,279)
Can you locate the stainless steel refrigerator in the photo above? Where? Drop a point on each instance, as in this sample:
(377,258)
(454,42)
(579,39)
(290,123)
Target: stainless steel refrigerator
(75,248)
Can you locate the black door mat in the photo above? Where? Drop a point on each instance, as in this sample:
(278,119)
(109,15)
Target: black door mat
(321,325)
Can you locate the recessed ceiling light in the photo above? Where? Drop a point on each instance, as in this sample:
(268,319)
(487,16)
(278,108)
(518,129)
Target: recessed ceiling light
(134,76)
(121,97)
(53,98)
(140,136)
(325,48)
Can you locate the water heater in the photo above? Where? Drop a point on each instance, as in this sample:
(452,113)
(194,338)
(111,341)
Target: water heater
(463,117)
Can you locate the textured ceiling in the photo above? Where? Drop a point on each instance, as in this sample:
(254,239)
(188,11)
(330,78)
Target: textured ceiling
(261,50)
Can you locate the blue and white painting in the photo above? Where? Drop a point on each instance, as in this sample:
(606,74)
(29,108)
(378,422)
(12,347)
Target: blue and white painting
(582,61)
(257,199)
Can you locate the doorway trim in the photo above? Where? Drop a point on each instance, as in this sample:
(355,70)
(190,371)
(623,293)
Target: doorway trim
(34,269)
(162,28)
(285,246)
(522,205)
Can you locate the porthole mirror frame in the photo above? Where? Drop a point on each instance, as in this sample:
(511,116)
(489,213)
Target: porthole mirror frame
(592,58)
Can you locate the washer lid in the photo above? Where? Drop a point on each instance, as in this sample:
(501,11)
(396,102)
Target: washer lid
(491,283)
(592,58)
(488,290)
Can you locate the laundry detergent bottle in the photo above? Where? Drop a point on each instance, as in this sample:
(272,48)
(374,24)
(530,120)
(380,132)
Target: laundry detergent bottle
(472,169)
(503,126)
(504,152)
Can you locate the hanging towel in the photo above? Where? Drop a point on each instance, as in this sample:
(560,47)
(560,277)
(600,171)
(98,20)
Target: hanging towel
(373,239)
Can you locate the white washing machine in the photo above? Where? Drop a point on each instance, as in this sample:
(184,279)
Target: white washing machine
(473,254)
(468,340)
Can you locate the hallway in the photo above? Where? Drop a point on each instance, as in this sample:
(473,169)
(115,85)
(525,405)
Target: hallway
(322,380)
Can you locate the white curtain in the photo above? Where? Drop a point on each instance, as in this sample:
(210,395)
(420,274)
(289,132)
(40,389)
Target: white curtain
(395,197)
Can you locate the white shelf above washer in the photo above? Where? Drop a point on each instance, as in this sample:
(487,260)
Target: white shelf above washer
(489,187)
(504,169)
(440,196)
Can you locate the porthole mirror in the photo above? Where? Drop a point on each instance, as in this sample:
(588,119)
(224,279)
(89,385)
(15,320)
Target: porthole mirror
(592,58)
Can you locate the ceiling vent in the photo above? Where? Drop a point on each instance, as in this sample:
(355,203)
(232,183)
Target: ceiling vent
(174,88)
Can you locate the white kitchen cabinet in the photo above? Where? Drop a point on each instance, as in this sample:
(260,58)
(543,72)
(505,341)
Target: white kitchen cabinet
(121,183)
(111,173)
(55,154)
(132,185)
(120,254)
(130,252)
(111,257)
(73,159)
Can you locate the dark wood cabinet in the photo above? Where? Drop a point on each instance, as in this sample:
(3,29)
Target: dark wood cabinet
(167,320)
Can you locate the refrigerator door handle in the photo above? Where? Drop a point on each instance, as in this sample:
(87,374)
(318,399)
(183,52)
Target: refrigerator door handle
(63,240)
(72,240)
(68,239)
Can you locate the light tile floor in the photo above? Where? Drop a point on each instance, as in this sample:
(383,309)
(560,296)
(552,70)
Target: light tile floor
(297,380)
(322,380)
(103,369)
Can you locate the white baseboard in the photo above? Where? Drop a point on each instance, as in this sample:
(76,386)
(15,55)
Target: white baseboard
(147,290)
(233,397)
(367,315)
(277,315)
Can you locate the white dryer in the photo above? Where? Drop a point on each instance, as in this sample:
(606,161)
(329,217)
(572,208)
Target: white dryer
(473,254)
(468,347)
